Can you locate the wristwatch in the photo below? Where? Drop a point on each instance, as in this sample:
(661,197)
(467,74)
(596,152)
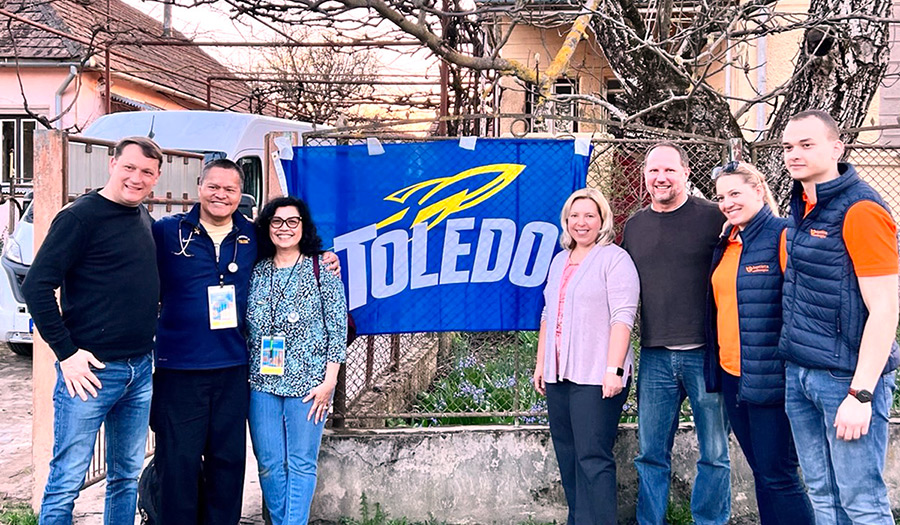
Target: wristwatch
(615,370)
(863,396)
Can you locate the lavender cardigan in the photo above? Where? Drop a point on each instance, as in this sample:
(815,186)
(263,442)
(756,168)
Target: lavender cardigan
(604,290)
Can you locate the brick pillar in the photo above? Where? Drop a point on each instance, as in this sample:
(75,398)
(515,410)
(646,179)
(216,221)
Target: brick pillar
(49,196)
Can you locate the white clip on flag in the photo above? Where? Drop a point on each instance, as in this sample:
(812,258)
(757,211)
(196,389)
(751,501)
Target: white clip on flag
(467,143)
(374,145)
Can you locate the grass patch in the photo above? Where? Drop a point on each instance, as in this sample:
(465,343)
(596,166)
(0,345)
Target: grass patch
(373,514)
(17,514)
(679,513)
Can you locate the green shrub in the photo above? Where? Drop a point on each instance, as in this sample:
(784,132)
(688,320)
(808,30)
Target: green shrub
(679,513)
(17,514)
(378,516)
(491,372)
(486,374)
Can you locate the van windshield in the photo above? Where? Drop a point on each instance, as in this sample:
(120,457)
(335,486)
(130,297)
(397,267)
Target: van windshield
(29,213)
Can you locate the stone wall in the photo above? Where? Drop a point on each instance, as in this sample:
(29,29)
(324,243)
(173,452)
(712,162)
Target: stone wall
(497,474)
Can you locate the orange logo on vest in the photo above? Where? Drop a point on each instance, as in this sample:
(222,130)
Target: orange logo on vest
(757,268)
(821,234)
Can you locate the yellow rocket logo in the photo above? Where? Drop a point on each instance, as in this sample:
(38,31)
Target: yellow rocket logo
(434,213)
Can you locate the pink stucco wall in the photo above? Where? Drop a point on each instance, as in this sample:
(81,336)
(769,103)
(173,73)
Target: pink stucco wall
(82,101)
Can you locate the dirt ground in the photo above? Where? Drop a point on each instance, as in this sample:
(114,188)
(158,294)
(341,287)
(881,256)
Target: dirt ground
(15,430)
(15,449)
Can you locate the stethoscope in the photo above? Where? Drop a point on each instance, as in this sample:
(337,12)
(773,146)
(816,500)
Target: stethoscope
(184,243)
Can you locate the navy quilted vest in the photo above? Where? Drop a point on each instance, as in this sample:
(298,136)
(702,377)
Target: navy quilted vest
(759,282)
(824,313)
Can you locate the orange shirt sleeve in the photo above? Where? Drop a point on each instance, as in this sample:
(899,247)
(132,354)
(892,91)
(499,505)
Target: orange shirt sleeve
(782,250)
(870,235)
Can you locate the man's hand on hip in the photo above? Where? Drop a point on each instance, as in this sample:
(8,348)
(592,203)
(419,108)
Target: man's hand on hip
(853,418)
(76,371)
(332,263)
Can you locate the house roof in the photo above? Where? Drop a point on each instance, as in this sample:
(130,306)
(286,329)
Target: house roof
(183,69)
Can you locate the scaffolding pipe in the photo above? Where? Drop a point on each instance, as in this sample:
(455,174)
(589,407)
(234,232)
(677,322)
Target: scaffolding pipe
(212,43)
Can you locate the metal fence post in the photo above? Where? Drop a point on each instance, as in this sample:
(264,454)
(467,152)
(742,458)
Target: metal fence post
(736,149)
(370,358)
(395,352)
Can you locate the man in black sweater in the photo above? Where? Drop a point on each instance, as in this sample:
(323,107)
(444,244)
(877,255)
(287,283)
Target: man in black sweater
(100,253)
(671,242)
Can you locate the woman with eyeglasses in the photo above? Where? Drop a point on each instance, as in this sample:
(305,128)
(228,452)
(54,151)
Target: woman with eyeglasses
(744,321)
(584,356)
(297,331)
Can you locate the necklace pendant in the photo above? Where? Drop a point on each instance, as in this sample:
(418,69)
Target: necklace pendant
(293,317)
(232,267)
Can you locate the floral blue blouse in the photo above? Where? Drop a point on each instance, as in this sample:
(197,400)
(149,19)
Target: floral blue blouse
(289,304)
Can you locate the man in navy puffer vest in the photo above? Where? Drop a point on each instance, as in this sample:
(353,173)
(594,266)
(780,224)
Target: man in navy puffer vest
(840,320)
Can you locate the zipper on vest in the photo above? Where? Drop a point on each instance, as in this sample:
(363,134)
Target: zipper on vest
(837,348)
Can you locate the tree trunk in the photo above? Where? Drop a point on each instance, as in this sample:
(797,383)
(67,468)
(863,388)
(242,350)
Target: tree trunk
(842,82)
(649,80)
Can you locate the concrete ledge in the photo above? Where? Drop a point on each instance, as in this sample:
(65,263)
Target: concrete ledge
(497,474)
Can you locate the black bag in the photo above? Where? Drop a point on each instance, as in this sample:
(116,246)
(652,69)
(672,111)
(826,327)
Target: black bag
(148,494)
(351,324)
(149,490)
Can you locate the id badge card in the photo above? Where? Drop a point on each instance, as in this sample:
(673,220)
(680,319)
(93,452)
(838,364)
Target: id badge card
(222,307)
(271,356)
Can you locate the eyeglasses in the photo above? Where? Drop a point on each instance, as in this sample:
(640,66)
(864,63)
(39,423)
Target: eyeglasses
(278,222)
(731,167)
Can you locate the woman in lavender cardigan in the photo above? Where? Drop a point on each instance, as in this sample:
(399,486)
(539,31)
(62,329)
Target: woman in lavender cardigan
(584,360)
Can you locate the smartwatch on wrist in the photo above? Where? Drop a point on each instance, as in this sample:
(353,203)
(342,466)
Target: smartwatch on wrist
(615,370)
(863,396)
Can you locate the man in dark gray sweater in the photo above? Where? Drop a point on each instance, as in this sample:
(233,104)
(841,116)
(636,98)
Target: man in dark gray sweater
(671,242)
(100,253)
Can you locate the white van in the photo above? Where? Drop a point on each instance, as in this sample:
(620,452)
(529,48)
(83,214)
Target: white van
(236,136)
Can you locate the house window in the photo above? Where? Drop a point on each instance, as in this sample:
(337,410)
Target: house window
(614,91)
(17,140)
(562,86)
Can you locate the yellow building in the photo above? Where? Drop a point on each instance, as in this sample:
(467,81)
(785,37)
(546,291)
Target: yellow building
(758,66)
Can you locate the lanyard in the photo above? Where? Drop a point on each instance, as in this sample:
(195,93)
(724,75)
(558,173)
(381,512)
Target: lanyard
(273,305)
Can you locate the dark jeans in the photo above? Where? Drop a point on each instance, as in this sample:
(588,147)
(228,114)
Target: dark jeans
(764,433)
(583,426)
(200,415)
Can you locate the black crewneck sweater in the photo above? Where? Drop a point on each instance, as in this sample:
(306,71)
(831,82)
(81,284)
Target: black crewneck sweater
(102,257)
(673,253)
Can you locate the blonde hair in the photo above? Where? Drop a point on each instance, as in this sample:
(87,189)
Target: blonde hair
(606,235)
(753,176)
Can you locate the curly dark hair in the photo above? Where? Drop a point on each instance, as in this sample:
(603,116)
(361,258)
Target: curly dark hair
(310,243)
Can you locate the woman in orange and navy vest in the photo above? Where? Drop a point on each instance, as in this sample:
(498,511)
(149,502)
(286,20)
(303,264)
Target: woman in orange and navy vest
(744,324)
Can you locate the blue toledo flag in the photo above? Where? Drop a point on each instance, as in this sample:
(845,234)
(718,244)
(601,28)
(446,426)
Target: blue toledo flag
(434,237)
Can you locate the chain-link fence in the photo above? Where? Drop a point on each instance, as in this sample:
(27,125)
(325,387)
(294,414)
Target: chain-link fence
(877,164)
(472,377)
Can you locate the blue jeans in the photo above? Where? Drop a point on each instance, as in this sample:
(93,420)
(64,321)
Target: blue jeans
(844,477)
(123,404)
(665,379)
(287,449)
(764,434)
